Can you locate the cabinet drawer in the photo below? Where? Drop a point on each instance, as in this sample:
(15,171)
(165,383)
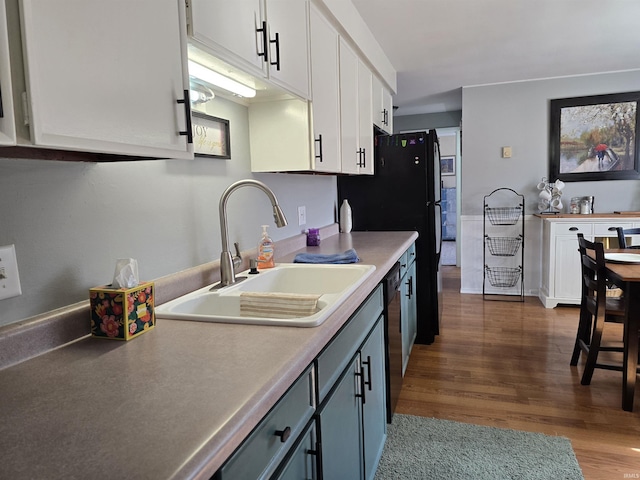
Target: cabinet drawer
(411,254)
(404,264)
(263,450)
(333,360)
(407,259)
(609,228)
(573,229)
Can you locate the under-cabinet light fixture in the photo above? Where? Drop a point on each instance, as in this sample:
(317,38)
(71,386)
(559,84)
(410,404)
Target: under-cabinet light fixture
(214,78)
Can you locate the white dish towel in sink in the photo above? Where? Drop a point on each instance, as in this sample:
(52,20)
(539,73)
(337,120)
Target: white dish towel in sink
(278,304)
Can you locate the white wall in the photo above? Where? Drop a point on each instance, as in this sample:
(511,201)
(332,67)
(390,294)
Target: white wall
(517,115)
(71,221)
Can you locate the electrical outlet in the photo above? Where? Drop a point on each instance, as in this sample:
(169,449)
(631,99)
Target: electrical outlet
(302,215)
(9,278)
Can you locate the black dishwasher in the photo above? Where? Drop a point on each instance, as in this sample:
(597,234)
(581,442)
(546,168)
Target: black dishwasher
(393,338)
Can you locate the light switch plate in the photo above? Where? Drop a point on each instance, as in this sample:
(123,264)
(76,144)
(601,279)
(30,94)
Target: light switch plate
(506,152)
(302,215)
(9,278)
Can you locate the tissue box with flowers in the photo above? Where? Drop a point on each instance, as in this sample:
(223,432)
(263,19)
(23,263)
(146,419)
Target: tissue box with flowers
(122,313)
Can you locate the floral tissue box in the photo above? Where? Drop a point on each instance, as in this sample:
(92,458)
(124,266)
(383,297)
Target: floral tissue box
(122,313)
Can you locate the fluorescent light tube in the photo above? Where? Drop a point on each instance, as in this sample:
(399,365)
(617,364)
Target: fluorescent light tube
(214,78)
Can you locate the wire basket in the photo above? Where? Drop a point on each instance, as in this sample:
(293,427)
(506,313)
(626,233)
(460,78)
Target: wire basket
(504,246)
(503,215)
(504,277)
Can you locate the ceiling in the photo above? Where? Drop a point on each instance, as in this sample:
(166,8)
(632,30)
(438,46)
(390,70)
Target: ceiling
(439,46)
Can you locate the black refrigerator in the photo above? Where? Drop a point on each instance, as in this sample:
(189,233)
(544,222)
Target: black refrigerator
(404,194)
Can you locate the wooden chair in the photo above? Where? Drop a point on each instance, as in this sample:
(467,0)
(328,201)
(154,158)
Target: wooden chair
(595,309)
(622,241)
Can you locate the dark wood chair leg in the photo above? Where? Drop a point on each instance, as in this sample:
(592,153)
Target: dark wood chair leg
(594,348)
(582,337)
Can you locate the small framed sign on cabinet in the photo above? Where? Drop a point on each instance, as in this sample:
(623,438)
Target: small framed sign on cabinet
(211,136)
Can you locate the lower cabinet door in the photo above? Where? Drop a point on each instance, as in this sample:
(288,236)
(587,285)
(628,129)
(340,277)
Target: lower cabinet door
(374,406)
(340,428)
(301,465)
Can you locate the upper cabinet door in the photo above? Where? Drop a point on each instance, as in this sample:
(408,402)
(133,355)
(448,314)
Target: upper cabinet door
(382,107)
(106,75)
(235,30)
(7,122)
(365,120)
(289,44)
(325,91)
(351,153)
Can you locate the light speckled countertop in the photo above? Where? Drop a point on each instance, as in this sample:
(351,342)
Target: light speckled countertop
(172,403)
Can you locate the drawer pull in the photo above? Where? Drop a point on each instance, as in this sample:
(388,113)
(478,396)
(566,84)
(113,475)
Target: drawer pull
(611,229)
(573,229)
(283,434)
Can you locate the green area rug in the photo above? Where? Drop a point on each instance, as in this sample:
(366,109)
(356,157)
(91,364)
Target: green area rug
(429,448)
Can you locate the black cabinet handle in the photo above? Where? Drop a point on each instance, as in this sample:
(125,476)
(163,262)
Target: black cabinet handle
(263,31)
(367,362)
(187,114)
(277,42)
(611,229)
(573,229)
(1,110)
(283,434)
(319,142)
(361,395)
(361,158)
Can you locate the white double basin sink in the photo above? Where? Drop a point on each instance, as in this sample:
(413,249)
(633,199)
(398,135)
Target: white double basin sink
(333,284)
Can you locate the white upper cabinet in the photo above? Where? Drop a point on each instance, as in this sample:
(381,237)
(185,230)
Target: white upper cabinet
(365,120)
(325,85)
(107,75)
(382,107)
(289,44)
(349,127)
(266,38)
(235,30)
(356,122)
(7,122)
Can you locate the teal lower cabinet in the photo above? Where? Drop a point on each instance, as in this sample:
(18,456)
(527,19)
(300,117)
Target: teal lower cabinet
(352,415)
(374,402)
(331,424)
(302,464)
(341,428)
(408,313)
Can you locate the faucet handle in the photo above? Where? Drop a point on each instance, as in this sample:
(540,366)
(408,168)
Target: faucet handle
(237,259)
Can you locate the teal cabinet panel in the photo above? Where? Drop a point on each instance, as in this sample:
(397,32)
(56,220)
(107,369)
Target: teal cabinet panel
(374,401)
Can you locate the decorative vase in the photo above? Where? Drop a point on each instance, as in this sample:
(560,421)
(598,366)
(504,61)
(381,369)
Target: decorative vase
(346,222)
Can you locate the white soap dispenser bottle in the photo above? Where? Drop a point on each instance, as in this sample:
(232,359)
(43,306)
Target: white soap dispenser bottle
(346,221)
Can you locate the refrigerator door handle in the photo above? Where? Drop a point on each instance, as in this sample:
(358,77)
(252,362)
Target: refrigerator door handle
(437,204)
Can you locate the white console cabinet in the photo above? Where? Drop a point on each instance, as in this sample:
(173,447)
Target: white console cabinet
(560,259)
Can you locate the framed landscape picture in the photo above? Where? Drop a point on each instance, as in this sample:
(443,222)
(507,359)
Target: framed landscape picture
(595,138)
(447,165)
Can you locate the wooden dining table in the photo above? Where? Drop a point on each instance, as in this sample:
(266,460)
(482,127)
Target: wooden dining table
(627,277)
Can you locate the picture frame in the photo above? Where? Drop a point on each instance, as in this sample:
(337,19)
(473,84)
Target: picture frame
(595,138)
(448,165)
(211,136)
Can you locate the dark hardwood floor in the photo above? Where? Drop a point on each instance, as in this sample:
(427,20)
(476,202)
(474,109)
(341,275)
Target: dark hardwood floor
(506,364)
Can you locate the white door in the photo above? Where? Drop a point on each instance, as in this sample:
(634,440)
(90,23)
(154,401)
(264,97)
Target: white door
(106,75)
(234,30)
(289,45)
(568,284)
(325,93)
(365,119)
(349,109)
